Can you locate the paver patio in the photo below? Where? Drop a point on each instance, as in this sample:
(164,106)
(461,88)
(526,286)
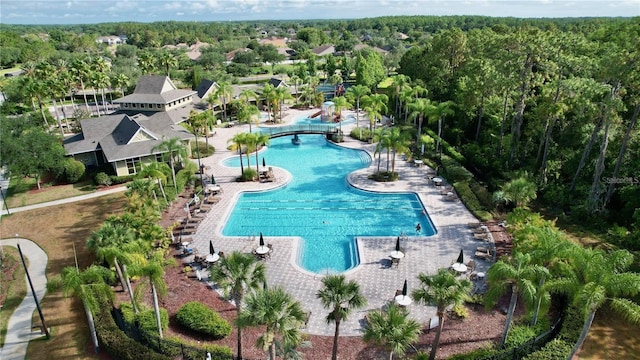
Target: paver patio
(377,280)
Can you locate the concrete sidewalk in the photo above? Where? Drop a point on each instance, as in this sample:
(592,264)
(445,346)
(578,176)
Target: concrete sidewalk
(19,328)
(61,201)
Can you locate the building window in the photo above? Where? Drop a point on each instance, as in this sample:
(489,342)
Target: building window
(158,106)
(126,105)
(142,105)
(159,158)
(133,165)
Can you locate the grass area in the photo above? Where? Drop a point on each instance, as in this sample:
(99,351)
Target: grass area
(611,337)
(24,192)
(55,229)
(13,287)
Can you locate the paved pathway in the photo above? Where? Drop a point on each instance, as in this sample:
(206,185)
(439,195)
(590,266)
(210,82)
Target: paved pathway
(378,282)
(19,327)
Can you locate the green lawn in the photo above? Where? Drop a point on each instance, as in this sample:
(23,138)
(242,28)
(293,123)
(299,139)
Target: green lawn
(24,192)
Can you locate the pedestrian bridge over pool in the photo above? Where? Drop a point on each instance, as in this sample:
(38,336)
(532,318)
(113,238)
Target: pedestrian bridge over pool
(278,131)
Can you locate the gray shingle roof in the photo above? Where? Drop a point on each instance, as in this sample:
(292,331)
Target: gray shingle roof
(155,89)
(112,134)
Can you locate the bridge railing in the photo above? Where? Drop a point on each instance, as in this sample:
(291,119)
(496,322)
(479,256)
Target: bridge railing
(299,128)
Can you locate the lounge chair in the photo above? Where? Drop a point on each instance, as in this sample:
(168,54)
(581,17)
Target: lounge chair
(484,255)
(480,236)
(474,225)
(395,262)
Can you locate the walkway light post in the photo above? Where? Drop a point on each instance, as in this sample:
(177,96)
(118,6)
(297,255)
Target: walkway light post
(4,200)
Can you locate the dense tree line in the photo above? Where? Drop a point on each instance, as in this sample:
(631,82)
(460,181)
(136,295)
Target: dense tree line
(560,105)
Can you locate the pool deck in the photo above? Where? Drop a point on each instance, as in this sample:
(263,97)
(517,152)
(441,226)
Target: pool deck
(378,281)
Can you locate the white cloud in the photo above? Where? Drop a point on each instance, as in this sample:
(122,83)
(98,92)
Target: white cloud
(172,6)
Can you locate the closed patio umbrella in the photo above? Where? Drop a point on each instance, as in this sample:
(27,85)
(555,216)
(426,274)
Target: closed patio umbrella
(213,180)
(261,239)
(404,288)
(398,244)
(460,257)
(211,249)
(264,163)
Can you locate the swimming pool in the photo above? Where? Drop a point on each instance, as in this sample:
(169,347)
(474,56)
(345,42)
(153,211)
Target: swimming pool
(320,206)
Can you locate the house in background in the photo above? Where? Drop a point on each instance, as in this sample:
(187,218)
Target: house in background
(111,40)
(146,118)
(324,50)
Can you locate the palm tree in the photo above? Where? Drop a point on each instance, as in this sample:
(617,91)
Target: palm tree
(85,286)
(158,172)
(281,94)
(400,83)
(80,70)
(268,94)
(146,62)
(167,60)
(248,112)
(419,108)
(224,93)
(120,81)
(443,290)
(518,275)
(340,297)
(341,103)
(520,191)
(236,274)
(547,248)
(440,111)
(384,143)
(296,80)
(604,278)
(248,95)
(152,269)
(355,93)
(106,243)
(392,329)
(238,142)
(375,105)
(174,151)
(399,145)
(278,312)
(100,77)
(257,140)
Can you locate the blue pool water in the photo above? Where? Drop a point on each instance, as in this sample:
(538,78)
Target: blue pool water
(321,207)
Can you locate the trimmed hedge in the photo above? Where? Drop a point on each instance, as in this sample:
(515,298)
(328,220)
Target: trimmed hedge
(470,200)
(115,341)
(199,317)
(145,319)
(193,350)
(554,350)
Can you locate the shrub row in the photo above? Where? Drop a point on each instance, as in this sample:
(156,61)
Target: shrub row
(115,341)
(446,148)
(468,197)
(199,317)
(145,319)
(362,134)
(175,346)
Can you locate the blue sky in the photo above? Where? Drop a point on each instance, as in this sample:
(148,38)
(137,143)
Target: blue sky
(97,11)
